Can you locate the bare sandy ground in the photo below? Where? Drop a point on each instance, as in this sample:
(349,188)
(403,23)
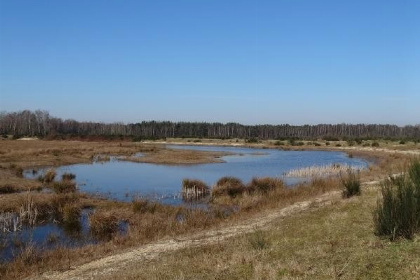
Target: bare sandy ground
(122,261)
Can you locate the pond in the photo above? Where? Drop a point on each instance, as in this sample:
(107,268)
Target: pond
(123,180)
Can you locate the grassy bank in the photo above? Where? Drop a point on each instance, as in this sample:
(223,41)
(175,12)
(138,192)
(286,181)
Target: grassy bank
(331,242)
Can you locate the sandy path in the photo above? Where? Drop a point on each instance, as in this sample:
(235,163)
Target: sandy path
(118,262)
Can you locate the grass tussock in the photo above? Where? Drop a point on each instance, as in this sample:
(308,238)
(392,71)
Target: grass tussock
(103,225)
(351,183)
(265,185)
(48,177)
(397,214)
(259,240)
(64,186)
(144,206)
(71,217)
(228,186)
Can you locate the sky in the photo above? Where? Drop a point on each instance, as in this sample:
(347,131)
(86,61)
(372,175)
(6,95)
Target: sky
(252,62)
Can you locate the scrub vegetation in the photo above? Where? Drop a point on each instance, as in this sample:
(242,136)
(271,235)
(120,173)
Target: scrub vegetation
(231,201)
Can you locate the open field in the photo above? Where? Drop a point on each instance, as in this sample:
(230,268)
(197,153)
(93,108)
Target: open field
(150,222)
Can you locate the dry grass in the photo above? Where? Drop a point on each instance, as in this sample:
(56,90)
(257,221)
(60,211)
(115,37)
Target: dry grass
(147,222)
(228,186)
(177,157)
(332,242)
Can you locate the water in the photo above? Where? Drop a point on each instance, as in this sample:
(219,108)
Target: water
(122,180)
(50,235)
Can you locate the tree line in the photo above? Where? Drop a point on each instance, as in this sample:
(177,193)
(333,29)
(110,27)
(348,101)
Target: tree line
(39,123)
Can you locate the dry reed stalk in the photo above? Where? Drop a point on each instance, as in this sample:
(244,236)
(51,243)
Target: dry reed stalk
(322,171)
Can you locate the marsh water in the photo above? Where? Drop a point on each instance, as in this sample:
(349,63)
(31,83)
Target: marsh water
(123,180)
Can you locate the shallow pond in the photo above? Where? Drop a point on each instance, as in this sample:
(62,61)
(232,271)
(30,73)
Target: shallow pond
(123,180)
(49,235)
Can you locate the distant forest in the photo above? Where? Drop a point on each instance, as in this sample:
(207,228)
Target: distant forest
(41,124)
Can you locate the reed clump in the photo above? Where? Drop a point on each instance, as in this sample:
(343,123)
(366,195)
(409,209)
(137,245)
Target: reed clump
(103,225)
(48,177)
(194,189)
(68,176)
(64,186)
(71,217)
(228,186)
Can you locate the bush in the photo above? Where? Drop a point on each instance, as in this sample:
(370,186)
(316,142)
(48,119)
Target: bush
(398,211)
(351,183)
(229,186)
(279,143)
(251,140)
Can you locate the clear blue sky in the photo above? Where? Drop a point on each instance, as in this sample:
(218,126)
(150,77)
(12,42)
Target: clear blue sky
(253,62)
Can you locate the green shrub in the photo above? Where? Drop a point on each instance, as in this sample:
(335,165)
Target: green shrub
(396,214)
(351,183)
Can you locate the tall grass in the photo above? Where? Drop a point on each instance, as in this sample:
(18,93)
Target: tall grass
(264,185)
(351,183)
(397,214)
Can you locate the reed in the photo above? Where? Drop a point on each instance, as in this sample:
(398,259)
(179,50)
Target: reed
(321,171)
(194,189)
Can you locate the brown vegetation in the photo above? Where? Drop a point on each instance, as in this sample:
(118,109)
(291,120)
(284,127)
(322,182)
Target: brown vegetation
(148,221)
